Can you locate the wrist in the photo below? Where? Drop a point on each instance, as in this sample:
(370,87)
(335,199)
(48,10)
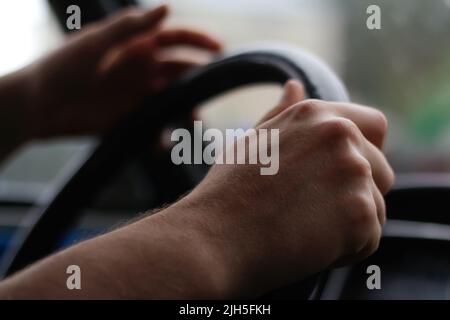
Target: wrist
(188,256)
(233,261)
(212,260)
(247,239)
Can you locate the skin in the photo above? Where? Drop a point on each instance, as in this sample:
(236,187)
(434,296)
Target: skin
(99,75)
(228,238)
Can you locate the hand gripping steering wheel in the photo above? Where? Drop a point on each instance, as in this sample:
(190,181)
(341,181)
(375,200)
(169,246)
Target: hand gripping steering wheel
(56,213)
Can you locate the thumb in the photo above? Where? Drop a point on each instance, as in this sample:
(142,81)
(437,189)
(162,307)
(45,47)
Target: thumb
(293,93)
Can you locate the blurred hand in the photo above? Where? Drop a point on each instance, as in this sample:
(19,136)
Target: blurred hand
(324,208)
(105,70)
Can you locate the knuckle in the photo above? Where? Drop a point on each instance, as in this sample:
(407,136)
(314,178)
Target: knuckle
(128,13)
(338,129)
(128,19)
(361,211)
(357,166)
(306,109)
(342,140)
(90,40)
(127,22)
(350,165)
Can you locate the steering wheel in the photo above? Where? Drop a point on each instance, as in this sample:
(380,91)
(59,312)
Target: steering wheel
(56,213)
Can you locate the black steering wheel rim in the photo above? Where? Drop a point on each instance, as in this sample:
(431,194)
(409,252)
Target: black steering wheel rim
(46,224)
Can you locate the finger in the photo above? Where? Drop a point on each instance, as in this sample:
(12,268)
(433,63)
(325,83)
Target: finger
(293,93)
(382,172)
(371,122)
(188,37)
(127,24)
(380,204)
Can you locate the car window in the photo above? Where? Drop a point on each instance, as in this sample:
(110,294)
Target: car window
(27,30)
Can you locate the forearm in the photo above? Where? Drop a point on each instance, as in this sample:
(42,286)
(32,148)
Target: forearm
(14,95)
(155,257)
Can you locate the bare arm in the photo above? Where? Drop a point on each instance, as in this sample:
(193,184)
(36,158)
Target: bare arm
(240,234)
(161,256)
(99,75)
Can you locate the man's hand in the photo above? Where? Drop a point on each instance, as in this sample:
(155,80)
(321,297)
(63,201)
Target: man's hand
(240,234)
(105,71)
(324,208)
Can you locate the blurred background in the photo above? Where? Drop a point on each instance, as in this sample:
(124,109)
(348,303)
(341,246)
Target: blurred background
(402,69)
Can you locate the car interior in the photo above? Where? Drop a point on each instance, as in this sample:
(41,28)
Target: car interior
(54,194)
